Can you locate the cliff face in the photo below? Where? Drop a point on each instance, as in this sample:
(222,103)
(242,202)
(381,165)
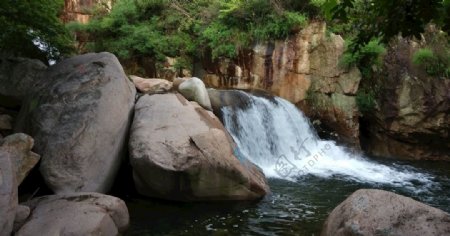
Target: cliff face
(412,117)
(303,69)
(81,10)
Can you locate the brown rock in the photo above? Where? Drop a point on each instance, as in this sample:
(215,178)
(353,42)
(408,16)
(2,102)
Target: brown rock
(412,118)
(76,214)
(180,151)
(6,122)
(177,81)
(81,10)
(305,64)
(19,147)
(378,212)
(151,86)
(8,191)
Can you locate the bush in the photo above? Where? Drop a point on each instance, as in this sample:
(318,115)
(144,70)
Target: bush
(186,29)
(365,100)
(25,23)
(433,64)
(371,54)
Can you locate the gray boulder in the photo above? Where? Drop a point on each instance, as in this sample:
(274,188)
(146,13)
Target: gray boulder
(180,151)
(378,212)
(194,89)
(79,122)
(76,214)
(19,77)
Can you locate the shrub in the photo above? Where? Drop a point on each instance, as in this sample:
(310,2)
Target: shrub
(365,57)
(186,29)
(433,64)
(365,100)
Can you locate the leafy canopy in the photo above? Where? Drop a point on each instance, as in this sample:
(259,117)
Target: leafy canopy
(385,19)
(25,21)
(186,29)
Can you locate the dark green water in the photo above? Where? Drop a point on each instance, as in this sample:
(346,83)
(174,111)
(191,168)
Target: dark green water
(293,208)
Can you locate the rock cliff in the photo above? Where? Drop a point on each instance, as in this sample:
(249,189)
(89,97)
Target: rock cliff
(303,69)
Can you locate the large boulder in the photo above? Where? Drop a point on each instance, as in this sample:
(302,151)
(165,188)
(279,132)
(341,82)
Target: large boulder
(151,86)
(194,89)
(180,151)
(19,77)
(8,191)
(19,147)
(76,214)
(378,212)
(79,121)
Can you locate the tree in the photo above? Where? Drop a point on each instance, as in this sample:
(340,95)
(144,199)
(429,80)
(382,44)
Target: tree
(385,19)
(31,28)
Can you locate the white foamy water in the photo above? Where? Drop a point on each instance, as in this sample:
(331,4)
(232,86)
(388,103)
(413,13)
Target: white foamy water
(277,137)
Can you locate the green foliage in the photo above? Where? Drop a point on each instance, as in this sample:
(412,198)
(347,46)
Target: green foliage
(365,100)
(385,19)
(223,40)
(364,57)
(433,64)
(186,29)
(23,22)
(141,28)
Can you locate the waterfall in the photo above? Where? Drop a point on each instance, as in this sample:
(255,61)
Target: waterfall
(276,136)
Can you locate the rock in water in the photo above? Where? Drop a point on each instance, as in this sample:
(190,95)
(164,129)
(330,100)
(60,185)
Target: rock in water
(378,212)
(151,86)
(179,151)
(194,89)
(79,121)
(76,214)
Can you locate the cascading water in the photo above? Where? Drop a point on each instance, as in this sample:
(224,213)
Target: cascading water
(309,177)
(275,135)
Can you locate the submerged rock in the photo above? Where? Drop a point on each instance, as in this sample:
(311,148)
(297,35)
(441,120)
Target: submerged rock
(179,151)
(378,212)
(76,214)
(194,89)
(79,121)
